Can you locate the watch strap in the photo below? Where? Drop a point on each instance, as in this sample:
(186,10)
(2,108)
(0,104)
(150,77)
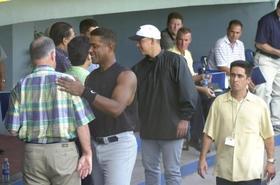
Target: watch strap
(271,160)
(89,95)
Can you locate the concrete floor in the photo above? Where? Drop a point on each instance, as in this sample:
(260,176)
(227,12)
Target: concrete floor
(188,168)
(189,165)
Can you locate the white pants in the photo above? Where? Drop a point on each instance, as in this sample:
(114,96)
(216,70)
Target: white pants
(113,162)
(270,91)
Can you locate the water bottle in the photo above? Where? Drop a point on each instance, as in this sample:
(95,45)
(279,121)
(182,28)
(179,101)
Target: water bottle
(5,171)
(204,82)
(206,78)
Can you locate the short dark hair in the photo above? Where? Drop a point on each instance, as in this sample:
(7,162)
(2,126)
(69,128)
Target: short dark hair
(234,22)
(107,35)
(243,64)
(78,50)
(58,31)
(174,15)
(278,4)
(183,30)
(86,24)
(41,47)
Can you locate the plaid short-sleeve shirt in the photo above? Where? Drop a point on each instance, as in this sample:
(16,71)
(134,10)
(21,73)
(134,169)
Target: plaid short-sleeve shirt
(40,112)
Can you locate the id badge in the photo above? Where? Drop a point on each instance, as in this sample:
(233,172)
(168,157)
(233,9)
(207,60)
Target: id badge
(230,141)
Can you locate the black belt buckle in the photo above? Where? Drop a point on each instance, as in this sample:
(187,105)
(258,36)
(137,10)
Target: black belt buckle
(106,140)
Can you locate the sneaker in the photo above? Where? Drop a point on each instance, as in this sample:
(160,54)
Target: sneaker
(276,128)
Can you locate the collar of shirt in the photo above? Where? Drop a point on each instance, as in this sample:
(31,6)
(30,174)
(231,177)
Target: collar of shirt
(156,57)
(229,43)
(170,35)
(61,51)
(175,49)
(229,98)
(43,68)
(79,69)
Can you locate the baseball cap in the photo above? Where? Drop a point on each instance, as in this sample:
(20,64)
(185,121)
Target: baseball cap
(146,31)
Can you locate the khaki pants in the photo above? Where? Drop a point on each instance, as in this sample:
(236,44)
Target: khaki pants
(51,164)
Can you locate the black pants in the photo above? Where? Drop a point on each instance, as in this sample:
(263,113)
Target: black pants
(221,181)
(206,104)
(197,122)
(198,119)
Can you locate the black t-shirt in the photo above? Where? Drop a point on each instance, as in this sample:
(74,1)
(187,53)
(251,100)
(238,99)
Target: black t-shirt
(104,82)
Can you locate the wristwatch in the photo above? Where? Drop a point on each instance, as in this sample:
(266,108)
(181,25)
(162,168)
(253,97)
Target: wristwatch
(271,160)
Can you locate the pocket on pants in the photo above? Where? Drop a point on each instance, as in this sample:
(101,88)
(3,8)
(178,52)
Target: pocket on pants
(65,161)
(33,159)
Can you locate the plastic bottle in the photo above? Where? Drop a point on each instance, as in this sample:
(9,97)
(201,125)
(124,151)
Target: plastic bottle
(204,82)
(206,78)
(5,171)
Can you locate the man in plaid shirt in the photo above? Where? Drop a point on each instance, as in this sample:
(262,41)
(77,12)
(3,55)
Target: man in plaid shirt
(48,121)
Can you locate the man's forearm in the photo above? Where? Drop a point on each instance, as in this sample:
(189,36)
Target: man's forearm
(268,49)
(84,137)
(269,147)
(206,144)
(224,69)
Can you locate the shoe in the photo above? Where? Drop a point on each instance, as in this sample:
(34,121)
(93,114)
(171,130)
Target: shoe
(185,145)
(195,144)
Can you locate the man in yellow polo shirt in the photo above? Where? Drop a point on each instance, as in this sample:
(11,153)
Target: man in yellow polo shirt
(183,41)
(239,124)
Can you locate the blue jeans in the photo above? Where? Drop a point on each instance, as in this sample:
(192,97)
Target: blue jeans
(171,151)
(113,162)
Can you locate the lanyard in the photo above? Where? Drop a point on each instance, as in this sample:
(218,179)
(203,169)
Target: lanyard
(235,118)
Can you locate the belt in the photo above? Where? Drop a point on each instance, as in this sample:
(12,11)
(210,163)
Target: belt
(62,141)
(268,55)
(106,140)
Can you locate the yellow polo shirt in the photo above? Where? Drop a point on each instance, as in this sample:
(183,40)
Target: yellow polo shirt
(250,119)
(187,56)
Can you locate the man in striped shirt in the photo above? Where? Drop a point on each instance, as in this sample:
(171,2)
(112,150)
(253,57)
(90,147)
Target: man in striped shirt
(48,121)
(228,48)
